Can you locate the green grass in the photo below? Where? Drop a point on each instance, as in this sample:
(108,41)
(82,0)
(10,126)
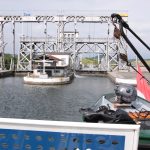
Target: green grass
(133,62)
(87,61)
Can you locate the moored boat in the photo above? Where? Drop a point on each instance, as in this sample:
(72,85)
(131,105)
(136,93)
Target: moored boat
(51,69)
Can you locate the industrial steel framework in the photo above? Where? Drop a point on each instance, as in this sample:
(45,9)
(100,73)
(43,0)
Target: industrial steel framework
(107,49)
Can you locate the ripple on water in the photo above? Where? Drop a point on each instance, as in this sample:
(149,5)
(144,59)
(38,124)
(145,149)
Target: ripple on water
(61,102)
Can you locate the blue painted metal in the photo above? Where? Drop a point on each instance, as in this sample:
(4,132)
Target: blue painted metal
(44,140)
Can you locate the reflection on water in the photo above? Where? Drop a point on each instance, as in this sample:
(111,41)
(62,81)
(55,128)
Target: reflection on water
(19,100)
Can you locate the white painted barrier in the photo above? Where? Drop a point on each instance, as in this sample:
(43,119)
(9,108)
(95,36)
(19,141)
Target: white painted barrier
(26,134)
(126,81)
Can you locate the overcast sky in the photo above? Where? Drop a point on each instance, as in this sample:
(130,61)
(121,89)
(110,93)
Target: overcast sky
(138,10)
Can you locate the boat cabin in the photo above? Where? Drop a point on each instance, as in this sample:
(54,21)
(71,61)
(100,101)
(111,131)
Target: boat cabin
(53,64)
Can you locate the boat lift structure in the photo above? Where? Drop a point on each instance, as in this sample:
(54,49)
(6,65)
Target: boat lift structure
(107,49)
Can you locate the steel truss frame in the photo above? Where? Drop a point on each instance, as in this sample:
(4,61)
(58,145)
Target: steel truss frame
(33,46)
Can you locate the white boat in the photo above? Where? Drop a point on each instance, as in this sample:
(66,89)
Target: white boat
(51,69)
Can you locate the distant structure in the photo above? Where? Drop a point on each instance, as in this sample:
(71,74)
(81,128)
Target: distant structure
(106,50)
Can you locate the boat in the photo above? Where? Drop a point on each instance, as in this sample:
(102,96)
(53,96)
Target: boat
(51,69)
(144,90)
(122,107)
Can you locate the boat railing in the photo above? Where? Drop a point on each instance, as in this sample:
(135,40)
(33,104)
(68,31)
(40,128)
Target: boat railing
(24,134)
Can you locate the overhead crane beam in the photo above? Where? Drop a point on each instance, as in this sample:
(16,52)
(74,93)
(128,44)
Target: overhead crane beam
(59,18)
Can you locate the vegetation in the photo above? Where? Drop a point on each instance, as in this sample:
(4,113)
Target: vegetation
(7,60)
(87,61)
(94,61)
(133,62)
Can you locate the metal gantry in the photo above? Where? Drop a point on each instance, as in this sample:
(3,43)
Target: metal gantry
(107,49)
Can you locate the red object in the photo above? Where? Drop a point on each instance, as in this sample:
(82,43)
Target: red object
(143,88)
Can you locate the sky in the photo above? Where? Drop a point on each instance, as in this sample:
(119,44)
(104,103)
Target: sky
(138,12)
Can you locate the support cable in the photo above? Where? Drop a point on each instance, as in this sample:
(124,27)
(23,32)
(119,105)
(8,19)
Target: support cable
(120,32)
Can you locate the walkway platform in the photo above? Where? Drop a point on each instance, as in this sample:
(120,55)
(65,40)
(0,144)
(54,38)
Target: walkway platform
(128,76)
(91,73)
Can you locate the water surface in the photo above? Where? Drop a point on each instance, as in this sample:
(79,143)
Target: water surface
(61,102)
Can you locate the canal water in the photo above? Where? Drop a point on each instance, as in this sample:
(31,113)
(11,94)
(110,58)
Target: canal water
(60,103)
